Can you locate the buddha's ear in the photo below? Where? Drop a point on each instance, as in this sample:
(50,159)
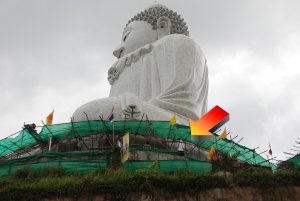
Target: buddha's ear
(163,27)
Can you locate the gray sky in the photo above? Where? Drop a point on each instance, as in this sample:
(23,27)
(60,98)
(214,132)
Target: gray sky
(55,55)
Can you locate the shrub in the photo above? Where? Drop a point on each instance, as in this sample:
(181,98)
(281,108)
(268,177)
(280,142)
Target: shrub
(254,177)
(24,173)
(117,183)
(287,178)
(53,172)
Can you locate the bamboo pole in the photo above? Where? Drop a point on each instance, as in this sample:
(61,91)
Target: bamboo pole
(7,148)
(80,138)
(50,143)
(288,153)
(11,135)
(48,129)
(101,118)
(140,124)
(235,143)
(20,148)
(124,128)
(90,127)
(253,150)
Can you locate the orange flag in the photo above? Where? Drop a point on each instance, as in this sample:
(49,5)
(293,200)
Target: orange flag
(49,118)
(223,135)
(212,154)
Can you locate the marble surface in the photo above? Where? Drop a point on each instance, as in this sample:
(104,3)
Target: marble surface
(157,73)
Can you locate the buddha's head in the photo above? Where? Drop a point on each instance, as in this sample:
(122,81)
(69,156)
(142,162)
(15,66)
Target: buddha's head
(148,26)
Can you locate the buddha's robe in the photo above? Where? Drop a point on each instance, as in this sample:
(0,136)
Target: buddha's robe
(166,78)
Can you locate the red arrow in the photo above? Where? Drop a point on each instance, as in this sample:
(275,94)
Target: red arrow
(209,122)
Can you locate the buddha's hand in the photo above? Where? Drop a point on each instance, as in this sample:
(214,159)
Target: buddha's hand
(131,106)
(115,70)
(112,74)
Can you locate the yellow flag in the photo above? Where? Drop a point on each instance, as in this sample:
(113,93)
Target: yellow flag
(223,135)
(212,154)
(173,120)
(49,118)
(125,148)
(154,165)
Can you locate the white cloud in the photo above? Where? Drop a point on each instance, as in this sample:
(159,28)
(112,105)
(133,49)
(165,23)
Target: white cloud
(260,93)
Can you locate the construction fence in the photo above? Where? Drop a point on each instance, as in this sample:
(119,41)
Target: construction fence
(29,138)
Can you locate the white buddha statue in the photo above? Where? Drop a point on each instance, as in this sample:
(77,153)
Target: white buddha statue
(160,72)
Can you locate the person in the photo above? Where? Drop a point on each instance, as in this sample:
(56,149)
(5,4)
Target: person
(160,72)
(120,143)
(30,128)
(180,148)
(106,139)
(147,145)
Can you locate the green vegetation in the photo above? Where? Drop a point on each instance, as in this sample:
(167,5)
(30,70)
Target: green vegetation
(28,184)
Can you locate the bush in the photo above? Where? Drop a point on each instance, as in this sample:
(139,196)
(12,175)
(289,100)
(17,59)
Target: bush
(53,172)
(254,177)
(117,183)
(287,178)
(24,173)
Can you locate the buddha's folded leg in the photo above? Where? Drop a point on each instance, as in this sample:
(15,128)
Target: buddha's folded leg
(158,114)
(134,108)
(127,105)
(99,107)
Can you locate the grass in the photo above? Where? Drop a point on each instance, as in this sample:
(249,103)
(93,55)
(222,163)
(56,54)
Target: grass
(27,184)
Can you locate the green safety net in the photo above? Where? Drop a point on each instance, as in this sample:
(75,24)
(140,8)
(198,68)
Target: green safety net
(295,160)
(83,162)
(162,129)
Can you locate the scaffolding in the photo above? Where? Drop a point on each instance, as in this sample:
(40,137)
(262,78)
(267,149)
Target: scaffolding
(83,146)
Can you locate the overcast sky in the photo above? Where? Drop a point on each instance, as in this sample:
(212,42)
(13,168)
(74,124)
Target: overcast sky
(55,55)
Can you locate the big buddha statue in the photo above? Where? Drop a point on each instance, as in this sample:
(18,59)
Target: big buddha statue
(160,71)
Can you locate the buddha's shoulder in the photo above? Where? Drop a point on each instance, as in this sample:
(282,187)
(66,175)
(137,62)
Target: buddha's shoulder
(179,39)
(178,42)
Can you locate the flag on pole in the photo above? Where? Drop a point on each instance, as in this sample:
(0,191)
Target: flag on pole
(125,148)
(212,154)
(270,150)
(223,135)
(154,165)
(111,116)
(49,118)
(173,120)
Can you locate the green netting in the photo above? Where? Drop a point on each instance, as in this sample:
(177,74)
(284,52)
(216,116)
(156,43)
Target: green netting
(68,161)
(87,165)
(295,160)
(160,129)
(170,166)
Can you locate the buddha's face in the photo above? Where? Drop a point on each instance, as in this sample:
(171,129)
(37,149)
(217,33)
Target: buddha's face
(135,35)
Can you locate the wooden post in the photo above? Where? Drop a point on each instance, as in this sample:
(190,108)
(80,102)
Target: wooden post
(50,142)
(90,128)
(101,118)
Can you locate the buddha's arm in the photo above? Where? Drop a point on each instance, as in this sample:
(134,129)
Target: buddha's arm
(173,81)
(183,78)
(183,82)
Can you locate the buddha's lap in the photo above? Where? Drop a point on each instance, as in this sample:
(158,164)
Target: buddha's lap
(99,107)
(103,107)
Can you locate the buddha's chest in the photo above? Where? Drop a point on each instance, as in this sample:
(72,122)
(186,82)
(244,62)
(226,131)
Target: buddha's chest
(128,81)
(136,73)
